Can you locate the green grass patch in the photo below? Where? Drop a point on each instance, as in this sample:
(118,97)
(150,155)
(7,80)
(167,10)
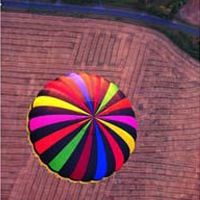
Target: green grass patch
(78,2)
(188,43)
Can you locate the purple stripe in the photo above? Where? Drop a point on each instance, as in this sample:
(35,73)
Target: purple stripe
(81,84)
(41,121)
(79,81)
(124,119)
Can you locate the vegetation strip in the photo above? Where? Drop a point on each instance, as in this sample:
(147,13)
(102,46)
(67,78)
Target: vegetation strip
(187,38)
(100,11)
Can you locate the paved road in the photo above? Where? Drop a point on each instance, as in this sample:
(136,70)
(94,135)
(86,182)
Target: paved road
(100,11)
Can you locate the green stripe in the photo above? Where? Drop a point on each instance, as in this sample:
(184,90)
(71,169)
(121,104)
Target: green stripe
(112,90)
(64,155)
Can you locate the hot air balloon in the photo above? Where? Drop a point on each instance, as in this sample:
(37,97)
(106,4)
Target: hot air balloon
(82,127)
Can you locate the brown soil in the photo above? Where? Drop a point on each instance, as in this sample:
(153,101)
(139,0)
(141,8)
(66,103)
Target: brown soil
(161,81)
(191,12)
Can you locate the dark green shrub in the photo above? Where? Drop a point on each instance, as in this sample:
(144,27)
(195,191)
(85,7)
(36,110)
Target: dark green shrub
(79,2)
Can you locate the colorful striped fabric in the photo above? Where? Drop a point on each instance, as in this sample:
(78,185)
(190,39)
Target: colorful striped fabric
(82,127)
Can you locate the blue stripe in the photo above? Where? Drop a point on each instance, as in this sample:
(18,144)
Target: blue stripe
(101,156)
(81,84)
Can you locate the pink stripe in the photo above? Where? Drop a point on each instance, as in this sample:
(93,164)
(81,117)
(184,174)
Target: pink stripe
(41,121)
(124,119)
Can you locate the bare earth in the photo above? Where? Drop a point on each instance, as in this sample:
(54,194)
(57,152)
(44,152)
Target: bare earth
(191,12)
(162,82)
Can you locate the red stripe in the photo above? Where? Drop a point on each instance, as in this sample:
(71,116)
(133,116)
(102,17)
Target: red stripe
(96,90)
(69,83)
(124,103)
(118,155)
(104,88)
(82,164)
(61,87)
(48,141)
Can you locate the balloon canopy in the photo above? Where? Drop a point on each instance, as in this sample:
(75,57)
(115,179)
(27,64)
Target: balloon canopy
(82,127)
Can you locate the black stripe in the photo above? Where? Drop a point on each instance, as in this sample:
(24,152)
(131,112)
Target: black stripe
(123,146)
(117,97)
(48,110)
(102,92)
(125,111)
(126,127)
(47,130)
(54,93)
(50,153)
(109,155)
(92,164)
(70,165)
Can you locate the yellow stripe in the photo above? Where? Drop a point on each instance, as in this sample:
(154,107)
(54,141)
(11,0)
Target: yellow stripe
(54,102)
(123,134)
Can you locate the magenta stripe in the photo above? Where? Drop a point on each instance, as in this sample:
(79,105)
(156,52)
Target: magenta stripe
(124,119)
(41,121)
